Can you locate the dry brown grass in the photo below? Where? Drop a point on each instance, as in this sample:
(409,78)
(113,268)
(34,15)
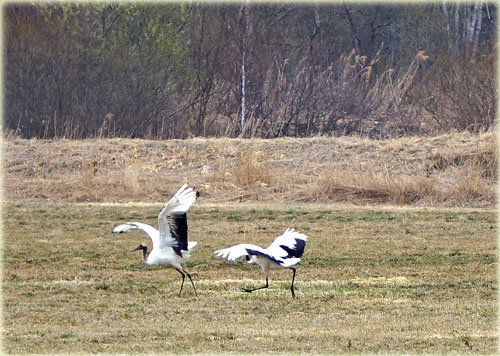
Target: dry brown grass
(456,169)
(245,170)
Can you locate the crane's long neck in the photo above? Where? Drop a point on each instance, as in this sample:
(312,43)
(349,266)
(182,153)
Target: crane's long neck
(144,252)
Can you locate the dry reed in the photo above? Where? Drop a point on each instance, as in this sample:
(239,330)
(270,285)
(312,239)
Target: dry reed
(457,169)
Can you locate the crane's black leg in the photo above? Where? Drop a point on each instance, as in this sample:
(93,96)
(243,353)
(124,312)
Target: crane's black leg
(183,278)
(189,276)
(293,280)
(251,290)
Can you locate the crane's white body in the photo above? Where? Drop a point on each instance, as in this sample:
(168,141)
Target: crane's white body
(265,263)
(168,257)
(161,254)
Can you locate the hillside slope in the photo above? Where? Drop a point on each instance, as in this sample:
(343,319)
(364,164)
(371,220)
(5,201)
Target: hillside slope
(457,169)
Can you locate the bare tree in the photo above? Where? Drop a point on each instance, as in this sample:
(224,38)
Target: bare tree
(245,18)
(476,23)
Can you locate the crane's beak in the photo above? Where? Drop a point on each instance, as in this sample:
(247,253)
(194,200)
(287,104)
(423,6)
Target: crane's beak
(137,248)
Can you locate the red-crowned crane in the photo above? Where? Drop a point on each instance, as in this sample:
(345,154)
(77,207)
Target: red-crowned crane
(170,242)
(284,252)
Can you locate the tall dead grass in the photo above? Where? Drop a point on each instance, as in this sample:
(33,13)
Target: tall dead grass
(467,188)
(368,187)
(124,182)
(450,178)
(457,169)
(247,169)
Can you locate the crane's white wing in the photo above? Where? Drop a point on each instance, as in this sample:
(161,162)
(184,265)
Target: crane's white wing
(148,229)
(172,221)
(181,201)
(232,253)
(290,245)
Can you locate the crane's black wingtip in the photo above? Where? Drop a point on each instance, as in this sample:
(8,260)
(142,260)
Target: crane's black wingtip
(197,194)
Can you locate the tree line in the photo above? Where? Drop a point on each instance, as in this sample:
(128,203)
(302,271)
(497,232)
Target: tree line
(175,70)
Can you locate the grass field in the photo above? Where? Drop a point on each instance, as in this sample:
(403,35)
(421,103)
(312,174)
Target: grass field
(386,279)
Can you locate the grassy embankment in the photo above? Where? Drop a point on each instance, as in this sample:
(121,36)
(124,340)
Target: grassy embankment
(452,170)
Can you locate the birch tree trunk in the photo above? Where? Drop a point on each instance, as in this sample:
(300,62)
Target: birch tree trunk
(478,14)
(244,11)
(446,18)
(473,29)
(457,24)
(243,83)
